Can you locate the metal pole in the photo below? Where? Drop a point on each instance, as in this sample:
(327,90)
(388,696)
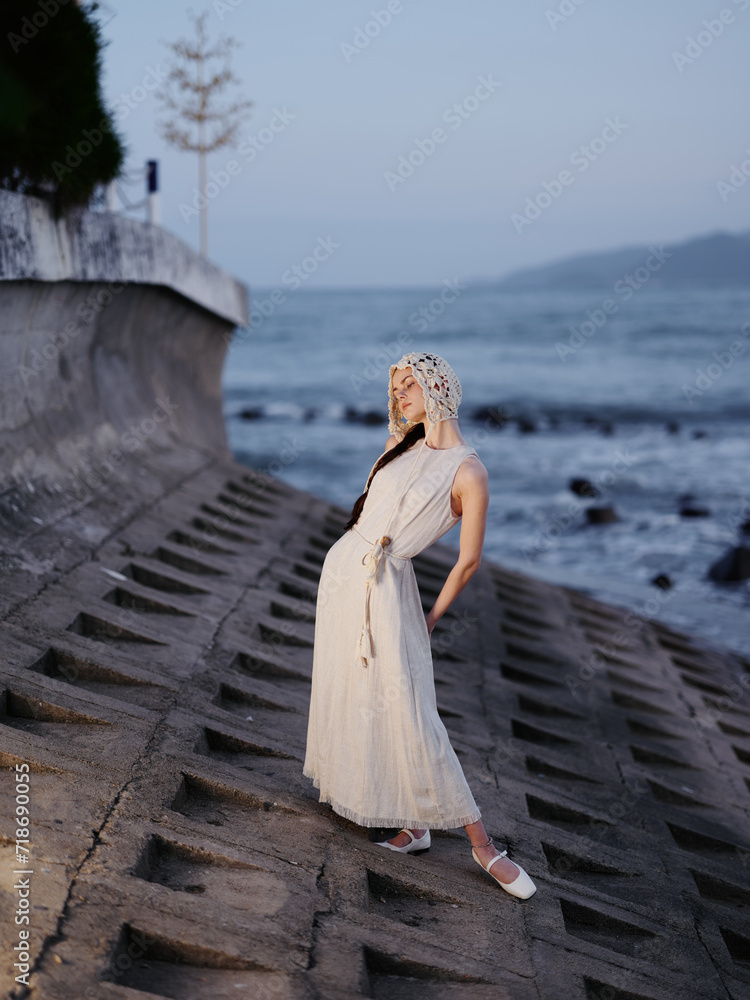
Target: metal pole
(111,196)
(152,191)
(202,166)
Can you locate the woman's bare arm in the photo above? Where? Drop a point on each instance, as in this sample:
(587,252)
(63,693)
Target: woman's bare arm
(472,489)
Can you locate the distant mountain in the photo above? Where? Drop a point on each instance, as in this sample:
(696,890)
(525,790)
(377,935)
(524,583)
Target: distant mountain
(717,260)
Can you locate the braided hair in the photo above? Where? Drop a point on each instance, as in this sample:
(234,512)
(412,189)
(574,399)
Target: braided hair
(411,437)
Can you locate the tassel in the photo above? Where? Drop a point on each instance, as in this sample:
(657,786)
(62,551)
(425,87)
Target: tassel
(365,647)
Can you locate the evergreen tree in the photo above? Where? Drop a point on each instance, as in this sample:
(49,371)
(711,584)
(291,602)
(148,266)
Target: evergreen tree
(57,140)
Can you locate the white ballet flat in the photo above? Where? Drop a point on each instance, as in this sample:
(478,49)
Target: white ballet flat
(417,845)
(522,887)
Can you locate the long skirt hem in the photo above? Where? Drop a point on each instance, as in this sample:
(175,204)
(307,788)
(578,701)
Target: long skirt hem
(392,821)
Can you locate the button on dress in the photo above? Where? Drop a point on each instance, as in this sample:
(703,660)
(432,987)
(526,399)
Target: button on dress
(377,749)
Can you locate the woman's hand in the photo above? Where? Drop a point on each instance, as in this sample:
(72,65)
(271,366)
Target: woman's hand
(430,622)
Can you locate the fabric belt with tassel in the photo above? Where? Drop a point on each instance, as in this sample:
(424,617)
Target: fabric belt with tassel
(374,557)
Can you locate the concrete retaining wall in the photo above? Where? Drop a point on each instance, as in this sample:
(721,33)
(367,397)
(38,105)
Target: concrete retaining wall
(112,339)
(101,246)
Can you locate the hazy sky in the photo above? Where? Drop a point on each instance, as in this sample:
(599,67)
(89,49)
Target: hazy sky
(516,88)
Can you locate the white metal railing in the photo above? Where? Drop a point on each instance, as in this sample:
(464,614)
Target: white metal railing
(115,192)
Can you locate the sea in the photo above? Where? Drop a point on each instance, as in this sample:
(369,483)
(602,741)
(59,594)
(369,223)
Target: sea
(645,396)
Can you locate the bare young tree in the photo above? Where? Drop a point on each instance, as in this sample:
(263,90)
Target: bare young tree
(190,91)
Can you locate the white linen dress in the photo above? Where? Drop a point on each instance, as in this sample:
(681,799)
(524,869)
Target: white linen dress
(376,747)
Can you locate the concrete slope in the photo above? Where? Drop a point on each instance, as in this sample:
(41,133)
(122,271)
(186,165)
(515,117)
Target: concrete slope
(158,607)
(158,691)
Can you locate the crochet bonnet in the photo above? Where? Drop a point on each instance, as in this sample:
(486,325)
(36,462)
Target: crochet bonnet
(439,385)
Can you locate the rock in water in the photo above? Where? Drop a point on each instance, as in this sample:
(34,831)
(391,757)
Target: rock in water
(583,488)
(352,416)
(692,511)
(495,416)
(734,565)
(601,515)
(373,417)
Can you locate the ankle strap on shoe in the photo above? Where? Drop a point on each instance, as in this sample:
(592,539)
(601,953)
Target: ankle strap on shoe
(497,857)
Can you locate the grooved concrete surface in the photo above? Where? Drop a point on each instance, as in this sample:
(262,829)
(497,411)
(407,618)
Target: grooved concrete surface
(157,686)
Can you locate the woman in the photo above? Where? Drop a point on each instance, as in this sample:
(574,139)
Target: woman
(376,746)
